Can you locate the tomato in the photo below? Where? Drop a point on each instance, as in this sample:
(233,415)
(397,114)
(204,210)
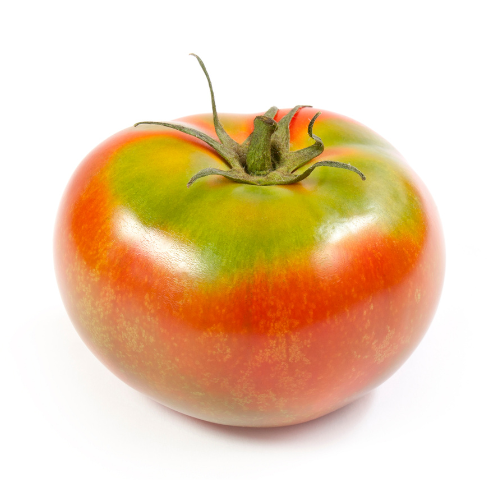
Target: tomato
(244,303)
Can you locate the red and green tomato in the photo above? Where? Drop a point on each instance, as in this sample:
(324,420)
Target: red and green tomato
(244,304)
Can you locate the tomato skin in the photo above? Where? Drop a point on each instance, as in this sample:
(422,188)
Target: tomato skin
(248,305)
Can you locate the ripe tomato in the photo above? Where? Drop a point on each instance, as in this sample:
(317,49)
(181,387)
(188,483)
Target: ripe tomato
(244,304)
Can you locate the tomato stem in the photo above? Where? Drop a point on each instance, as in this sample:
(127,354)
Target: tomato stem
(264,158)
(259,158)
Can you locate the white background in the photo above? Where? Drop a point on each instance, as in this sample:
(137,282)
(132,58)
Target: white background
(422,74)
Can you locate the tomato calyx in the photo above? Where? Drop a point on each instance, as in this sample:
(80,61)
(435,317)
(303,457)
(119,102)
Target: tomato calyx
(264,158)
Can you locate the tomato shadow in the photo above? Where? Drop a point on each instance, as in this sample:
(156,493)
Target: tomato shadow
(332,427)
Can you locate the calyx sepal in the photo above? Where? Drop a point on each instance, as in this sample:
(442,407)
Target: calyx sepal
(264,158)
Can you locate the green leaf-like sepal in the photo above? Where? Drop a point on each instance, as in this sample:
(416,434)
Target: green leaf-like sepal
(336,164)
(264,158)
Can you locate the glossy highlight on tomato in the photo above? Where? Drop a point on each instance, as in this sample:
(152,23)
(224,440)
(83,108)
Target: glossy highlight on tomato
(242,304)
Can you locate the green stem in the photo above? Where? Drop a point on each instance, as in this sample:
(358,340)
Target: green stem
(259,160)
(264,158)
